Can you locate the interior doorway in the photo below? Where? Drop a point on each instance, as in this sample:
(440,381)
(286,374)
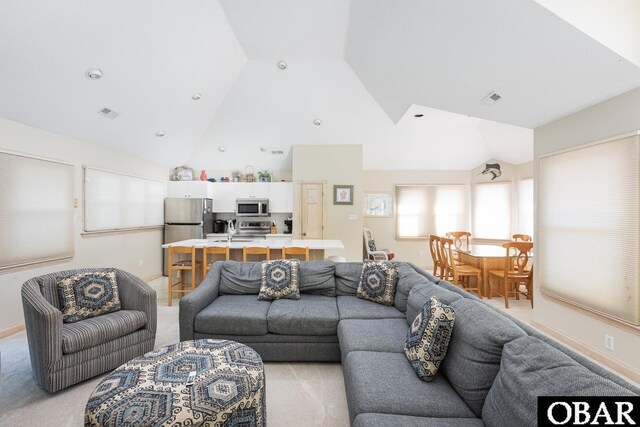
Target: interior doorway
(312,211)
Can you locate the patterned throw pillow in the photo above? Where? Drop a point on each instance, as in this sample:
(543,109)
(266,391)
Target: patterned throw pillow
(378,282)
(428,338)
(85,295)
(372,245)
(279,280)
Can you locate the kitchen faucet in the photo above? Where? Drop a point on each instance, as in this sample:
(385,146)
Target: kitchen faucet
(231,230)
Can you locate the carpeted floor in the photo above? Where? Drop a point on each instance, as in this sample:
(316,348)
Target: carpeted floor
(303,394)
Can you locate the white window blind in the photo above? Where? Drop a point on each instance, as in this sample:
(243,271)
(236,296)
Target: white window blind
(492,210)
(525,206)
(116,201)
(425,209)
(587,247)
(36,210)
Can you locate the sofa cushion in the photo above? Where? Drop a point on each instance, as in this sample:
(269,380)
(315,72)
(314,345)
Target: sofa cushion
(390,420)
(311,315)
(234,315)
(348,277)
(86,295)
(475,350)
(385,383)
(422,292)
(317,278)
(378,282)
(532,368)
(279,280)
(240,278)
(101,329)
(407,279)
(428,338)
(350,307)
(387,335)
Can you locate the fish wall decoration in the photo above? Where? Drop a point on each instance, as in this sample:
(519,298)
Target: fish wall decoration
(492,169)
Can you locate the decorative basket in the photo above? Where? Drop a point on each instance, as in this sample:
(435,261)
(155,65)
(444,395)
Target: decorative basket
(249,174)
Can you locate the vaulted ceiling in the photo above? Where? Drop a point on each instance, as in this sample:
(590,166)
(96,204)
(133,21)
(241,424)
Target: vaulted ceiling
(365,68)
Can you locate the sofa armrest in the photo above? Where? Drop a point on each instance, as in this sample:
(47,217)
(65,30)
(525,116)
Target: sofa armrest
(194,302)
(136,294)
(43,323)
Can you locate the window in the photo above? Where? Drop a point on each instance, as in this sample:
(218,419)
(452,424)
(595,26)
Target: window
(588,227)
(492,211)
(115,201)
(36,212)
(427,209)
(525,206)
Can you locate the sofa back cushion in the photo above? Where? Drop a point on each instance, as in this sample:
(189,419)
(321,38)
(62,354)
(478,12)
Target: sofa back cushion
(532,368)
(347,277)
(407,279)
(240,278)
(421,293)
(317,278)
(475,350)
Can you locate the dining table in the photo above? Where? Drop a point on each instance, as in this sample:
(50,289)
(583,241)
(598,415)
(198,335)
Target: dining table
(484,257)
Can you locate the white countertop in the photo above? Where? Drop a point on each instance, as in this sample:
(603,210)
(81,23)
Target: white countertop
(273,244)
(224,235)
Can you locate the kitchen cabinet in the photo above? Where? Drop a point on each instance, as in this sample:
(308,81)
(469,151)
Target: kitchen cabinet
(251,190)
(196,189)
(223,195)
(281,197)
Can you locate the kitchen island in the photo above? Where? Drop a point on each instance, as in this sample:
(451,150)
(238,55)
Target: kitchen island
(316,247)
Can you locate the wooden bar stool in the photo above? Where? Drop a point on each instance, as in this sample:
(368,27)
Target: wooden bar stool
(181,266)
(212,250)
(255,250)
(298,251)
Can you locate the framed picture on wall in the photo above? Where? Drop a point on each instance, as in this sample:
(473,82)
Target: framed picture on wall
(378,205)
(343,194)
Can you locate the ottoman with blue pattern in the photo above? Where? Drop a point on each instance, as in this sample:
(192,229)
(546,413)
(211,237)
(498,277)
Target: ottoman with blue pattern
(151,390)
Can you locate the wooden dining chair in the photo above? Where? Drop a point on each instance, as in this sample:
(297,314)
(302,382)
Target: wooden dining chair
(181,265)
(298,251)
(459,274)
(434,241)
(516,272)
(461,239)
(521,238)
(255,250)
(212,250)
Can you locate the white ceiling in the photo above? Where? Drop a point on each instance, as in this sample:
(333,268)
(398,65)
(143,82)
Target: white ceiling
(364,67)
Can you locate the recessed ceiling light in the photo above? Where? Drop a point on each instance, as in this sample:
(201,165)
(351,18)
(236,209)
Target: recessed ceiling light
(93,73)
(282,65)
(317,122)
(263,148)
(221,149)
(196,96)
(160,133)
(418,115)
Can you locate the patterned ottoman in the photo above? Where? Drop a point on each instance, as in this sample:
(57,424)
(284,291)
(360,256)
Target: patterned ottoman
(151,390)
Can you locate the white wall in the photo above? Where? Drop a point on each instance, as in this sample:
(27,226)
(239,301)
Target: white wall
(124,250)
(615,116)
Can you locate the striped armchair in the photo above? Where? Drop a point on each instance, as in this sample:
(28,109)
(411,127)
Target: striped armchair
(63,354)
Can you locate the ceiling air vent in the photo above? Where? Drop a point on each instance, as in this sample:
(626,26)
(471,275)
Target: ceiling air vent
(108,112)
(492,98)
(277,152)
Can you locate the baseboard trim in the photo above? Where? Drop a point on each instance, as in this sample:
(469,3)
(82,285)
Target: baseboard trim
(11,330)
(153,277)
(619,368)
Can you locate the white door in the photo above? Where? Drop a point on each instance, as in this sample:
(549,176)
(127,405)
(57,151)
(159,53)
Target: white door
(281,197)
(312,211)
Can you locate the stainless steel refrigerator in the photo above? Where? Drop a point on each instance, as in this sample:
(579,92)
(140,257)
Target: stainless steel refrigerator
(186,218)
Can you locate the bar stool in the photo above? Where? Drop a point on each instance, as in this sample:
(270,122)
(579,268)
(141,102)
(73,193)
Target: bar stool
(181,266)
(255,250)
(212,250)
(296,250)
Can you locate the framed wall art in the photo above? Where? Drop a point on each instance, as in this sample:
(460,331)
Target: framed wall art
(378,205)
(343,194)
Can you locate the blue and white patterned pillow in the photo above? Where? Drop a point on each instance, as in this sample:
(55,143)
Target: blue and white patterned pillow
(87,295)
(428,338)
(279,280)
(378,282)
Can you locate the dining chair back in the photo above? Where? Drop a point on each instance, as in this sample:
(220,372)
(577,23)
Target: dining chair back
(298,251)
(212,250)
(181,265)
(517,271)
(255,250)
(522,238)
(461,239)
(434,242)
(459,273)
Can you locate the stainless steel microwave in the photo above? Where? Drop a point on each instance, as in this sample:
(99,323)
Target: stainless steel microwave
(252,207)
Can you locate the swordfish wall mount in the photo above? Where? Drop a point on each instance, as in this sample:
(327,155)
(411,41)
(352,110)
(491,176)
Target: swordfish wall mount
(492,169)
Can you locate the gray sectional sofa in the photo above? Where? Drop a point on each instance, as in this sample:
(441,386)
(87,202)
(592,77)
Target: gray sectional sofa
(494,370)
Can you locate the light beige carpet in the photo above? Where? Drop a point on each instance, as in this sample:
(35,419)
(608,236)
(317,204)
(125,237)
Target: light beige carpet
(298,394)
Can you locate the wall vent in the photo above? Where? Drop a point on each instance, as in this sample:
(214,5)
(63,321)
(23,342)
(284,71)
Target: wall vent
(277,152)
(108,112)
(492,98)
